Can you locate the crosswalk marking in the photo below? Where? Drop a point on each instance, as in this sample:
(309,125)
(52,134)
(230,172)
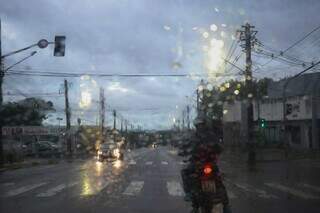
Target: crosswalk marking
(57,189)
(231,195)
(149,163)
(174,188)
(291,191)
(134,188)
(88,189)
(261,193)
(182,163)
(24,189)
(132,162)
(164,163)
(315,188)
(8,184)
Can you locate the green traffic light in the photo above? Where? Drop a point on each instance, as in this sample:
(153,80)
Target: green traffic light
(262,123)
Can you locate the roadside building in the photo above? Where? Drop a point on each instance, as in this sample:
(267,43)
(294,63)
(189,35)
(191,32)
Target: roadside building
(302,114)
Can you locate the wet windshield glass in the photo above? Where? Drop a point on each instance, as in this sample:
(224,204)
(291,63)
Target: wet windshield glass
(158,106)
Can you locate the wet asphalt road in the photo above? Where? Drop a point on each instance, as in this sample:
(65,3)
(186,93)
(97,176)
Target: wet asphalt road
(148,181)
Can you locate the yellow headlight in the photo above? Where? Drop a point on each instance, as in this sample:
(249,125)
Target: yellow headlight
(116,152)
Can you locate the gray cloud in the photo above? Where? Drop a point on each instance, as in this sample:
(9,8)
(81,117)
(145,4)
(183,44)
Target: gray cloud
(125,36)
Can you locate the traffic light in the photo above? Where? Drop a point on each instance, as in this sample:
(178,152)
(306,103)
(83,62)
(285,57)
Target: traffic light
(262,123)
(59,46)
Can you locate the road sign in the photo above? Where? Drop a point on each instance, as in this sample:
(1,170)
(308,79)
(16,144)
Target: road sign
(43,43)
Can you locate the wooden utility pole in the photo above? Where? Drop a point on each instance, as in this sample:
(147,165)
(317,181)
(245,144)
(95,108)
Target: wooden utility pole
(114,119)
(188,117)
(1,99)
(102,112)
(68,116)
(247,36)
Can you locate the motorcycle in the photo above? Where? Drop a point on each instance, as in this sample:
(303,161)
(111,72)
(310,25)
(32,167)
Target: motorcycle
(210,197)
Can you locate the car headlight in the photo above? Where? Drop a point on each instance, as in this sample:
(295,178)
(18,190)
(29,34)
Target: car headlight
(99,152)
(116,152)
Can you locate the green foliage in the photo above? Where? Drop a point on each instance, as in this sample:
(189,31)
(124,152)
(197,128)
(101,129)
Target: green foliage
(212,100)
(29,112)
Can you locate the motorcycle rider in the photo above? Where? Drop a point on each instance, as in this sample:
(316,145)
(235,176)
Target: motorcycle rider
(202,144)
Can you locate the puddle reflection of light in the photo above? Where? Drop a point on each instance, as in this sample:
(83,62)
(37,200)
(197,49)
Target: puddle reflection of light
(86,186)
(117,164)
(99,168)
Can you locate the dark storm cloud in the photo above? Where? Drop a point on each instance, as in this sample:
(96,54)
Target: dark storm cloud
(128,36)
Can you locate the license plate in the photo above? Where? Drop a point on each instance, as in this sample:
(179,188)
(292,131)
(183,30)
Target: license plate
(208,186)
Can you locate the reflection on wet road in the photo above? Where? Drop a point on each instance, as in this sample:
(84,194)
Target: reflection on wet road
(147,180)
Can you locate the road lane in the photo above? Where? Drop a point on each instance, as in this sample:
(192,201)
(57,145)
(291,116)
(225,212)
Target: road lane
(133,186)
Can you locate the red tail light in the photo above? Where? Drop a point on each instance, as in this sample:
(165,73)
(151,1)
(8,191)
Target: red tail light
(207,170)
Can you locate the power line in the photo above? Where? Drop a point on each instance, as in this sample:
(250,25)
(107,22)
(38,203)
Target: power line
(294,44)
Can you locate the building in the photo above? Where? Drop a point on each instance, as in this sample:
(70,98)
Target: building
(302,114)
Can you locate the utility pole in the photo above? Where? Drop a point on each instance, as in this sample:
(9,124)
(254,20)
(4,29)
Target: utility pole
(1,99)
(121,128)
(102,112)
(68,126)
(183,118)
(114,119)
(126,123)
(188,117)
(247,36)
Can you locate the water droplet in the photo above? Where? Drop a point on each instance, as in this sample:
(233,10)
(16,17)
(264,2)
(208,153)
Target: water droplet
(213,27)
(236,92)
(205,35)
(225,111)
(167,28)
(216,9)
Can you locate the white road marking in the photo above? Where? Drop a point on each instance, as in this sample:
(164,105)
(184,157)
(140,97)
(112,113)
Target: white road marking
(260,192)
(132,162)
(164,163)
(149,163)
(8,184)
(315,188)
(134,188)
(182,163)
(57,189)
(24,189)
(174,188)
(291,191)
(95,188)
(231,195)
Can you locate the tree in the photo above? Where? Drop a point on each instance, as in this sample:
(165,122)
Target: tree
(212,100)
(29,112)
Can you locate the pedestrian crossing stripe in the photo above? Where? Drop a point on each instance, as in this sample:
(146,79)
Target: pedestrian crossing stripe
(149,163)
(292,191)
(164,163)
(55,190)
(24,189)
(132,162)
(134,188)
(174,188)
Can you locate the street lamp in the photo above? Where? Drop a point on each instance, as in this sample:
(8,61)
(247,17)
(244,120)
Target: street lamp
(25,58)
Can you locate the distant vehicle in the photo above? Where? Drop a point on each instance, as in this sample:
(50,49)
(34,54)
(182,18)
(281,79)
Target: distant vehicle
(109,151)
(47,148)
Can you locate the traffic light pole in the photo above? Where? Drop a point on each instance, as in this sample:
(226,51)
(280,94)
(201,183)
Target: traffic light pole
(1,100)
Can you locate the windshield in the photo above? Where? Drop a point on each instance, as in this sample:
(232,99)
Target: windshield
(151,106)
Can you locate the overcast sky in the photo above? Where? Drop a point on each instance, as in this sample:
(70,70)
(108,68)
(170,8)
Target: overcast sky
(144,37)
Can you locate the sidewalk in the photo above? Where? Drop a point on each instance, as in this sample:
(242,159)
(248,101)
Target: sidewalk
(33,161)
(271,154)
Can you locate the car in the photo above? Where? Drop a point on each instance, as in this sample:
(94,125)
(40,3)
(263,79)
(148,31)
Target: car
(109,151)
(47,148)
